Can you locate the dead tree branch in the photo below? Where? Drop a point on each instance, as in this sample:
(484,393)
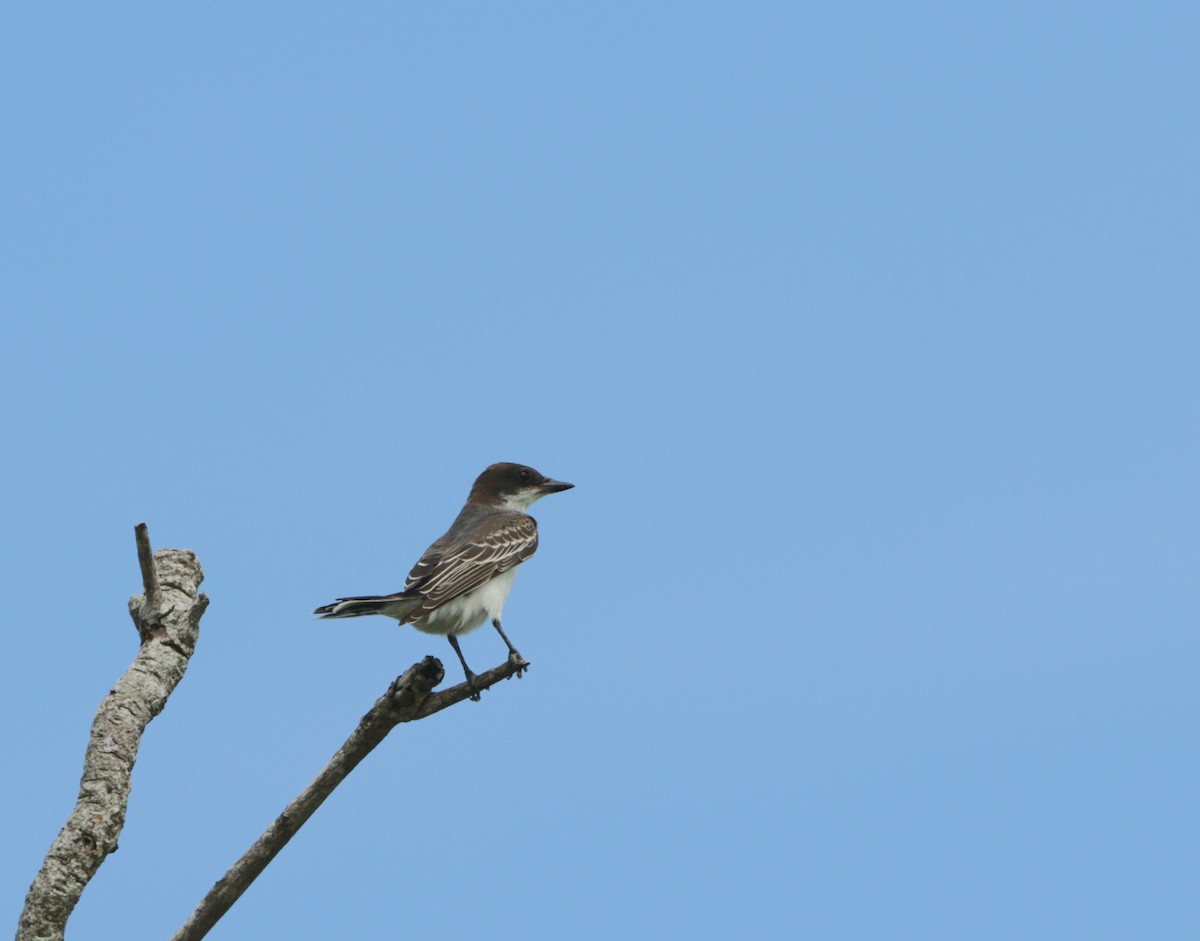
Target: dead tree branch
(409,698)
(167,616)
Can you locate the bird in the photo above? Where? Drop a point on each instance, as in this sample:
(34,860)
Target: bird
(464,577)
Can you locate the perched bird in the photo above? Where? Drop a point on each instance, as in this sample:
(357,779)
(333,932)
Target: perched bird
(464,578)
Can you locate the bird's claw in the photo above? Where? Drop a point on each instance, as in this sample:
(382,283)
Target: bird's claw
(519,663)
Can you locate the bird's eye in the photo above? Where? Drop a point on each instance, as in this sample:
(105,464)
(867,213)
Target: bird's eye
(524,476)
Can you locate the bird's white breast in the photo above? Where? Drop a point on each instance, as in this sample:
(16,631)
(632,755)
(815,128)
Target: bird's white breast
(471,610)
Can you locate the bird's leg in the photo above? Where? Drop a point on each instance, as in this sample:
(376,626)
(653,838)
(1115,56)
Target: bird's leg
(499,630)
(466,669)
(513,654)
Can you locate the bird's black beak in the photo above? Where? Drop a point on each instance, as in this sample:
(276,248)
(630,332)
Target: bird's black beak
(554,486)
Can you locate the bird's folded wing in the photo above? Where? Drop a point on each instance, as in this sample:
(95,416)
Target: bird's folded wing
(447,571)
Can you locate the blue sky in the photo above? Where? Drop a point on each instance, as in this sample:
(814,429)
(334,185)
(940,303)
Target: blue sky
(867,333)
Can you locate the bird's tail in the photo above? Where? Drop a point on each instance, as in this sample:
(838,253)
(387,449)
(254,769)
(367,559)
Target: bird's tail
(393,606)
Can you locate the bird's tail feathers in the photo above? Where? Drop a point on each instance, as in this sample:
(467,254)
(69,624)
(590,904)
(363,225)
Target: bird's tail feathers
(395,606)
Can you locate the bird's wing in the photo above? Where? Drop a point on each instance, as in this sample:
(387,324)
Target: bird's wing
(452,568)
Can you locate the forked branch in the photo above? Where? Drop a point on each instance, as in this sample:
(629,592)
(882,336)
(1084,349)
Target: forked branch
(167,616)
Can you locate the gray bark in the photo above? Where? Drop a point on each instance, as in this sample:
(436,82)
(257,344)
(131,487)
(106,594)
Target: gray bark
(167,616)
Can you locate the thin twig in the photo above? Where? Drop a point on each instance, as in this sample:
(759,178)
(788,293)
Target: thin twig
(409,698)
(146,561)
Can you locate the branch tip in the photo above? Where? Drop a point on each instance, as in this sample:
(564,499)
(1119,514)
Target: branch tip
(146,561)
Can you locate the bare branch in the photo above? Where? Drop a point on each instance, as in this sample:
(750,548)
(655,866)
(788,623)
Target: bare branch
(146,561)
(167,616)
(409,698)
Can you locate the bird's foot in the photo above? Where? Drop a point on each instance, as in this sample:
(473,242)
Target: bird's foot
(476,692)
(519,662)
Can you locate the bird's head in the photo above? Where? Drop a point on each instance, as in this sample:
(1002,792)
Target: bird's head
(512,486)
